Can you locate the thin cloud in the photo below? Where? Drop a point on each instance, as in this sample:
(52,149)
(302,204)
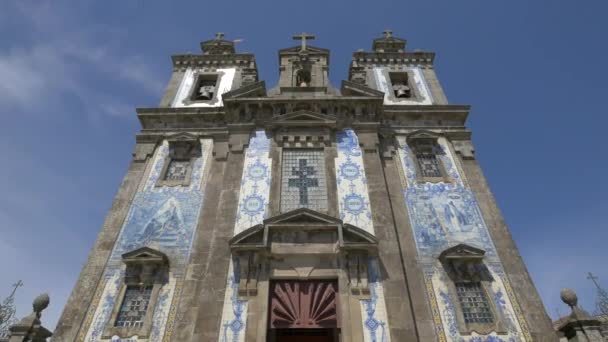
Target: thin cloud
(70,64)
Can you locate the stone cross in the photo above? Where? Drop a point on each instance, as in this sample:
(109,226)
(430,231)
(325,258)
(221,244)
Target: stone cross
(219,36)
(303,36)
(387,33)
(302,181)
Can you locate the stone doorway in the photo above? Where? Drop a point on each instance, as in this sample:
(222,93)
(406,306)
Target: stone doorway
(303,311)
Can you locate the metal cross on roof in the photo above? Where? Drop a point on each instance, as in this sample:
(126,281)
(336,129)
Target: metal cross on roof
(387,33)
(219,36)
(303,36)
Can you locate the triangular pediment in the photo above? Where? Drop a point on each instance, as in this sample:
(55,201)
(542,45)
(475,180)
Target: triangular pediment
(423,134)
(310,49)
(305,115)
(250,238)
(462,252)
(303,216)
(144,254)
(355,237)
(350,88)
(304,118)
(182,136)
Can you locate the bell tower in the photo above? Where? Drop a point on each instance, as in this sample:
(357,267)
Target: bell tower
(304,68)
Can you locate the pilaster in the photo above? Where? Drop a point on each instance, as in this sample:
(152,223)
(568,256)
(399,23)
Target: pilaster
(394,279)
(212,255)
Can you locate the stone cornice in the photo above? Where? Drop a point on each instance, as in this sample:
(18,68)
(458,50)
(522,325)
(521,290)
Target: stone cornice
(244,60)
(240,113)
(408,58)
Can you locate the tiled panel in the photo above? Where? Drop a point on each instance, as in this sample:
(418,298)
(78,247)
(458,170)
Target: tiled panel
(443,215)
(255,183)
(226,79)
(383,83)
(303,180)
(355,209)
(162,218)
(253,208)
(373,310)
(353,197)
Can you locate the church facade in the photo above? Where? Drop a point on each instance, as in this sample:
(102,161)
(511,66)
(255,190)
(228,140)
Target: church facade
(304,212)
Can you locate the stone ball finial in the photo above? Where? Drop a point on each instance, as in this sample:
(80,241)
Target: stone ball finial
(41,302)
(569,297)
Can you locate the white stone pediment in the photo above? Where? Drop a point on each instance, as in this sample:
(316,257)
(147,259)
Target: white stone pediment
(302,229)
(302,216)
(309,49)
(423,134)
(182,136)
(144,254)
(462,252)
(304,118)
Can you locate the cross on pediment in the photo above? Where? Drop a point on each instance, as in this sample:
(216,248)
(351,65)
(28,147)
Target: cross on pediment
(387,33)
(303,36)
(302,180)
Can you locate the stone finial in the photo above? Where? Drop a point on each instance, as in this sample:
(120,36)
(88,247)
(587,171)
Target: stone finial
(30,328)
(579,326)
(40,303)
(569,297)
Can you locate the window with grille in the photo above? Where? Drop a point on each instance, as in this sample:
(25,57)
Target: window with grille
(303,180)
(429,165)
(134,306)
(474,304)
(428,162)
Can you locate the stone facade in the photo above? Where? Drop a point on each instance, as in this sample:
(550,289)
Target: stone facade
(236,193)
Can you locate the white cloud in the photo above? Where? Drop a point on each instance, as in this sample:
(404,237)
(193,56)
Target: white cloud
(66,62)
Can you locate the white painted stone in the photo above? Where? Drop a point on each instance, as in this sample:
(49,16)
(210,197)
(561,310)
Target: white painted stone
(227,77)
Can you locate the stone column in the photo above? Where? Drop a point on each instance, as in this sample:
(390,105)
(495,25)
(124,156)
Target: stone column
(30,328)
(579,327)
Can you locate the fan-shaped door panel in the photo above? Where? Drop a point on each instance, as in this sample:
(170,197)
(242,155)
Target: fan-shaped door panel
(303,304)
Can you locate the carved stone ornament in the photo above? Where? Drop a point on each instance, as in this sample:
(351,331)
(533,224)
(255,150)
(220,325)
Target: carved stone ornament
(184,148)
(145,268)
(299,234)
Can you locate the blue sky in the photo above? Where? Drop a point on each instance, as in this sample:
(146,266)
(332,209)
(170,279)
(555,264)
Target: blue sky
(73,72)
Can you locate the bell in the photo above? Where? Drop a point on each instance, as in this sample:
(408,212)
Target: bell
(403,92)
(204,94)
